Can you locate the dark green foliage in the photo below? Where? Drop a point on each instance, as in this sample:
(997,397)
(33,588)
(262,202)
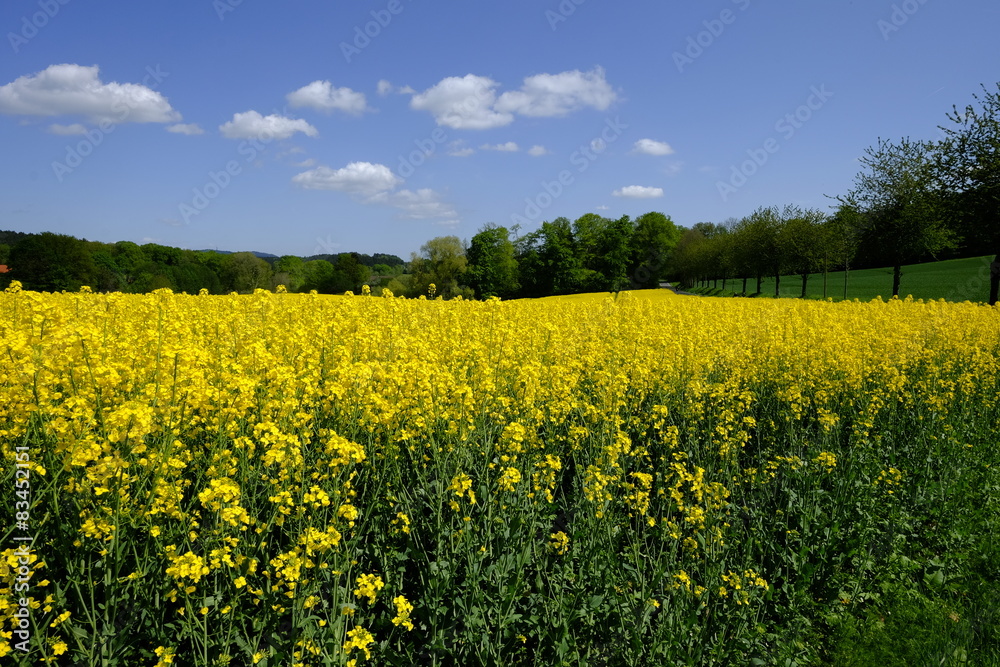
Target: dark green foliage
(52,262)
(614,254)
(492,267)
(443,264)
(58,262)
(902,204)
(653,239)
(968,162)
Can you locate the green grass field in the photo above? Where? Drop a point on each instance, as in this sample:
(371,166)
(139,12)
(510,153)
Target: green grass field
(953,280)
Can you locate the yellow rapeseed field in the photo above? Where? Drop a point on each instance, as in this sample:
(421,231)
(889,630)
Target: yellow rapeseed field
(645,478)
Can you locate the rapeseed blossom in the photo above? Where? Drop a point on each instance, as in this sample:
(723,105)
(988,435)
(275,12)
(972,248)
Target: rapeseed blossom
(368,585)
(259,457)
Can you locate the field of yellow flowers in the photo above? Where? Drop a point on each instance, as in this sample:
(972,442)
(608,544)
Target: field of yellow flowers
(284,479)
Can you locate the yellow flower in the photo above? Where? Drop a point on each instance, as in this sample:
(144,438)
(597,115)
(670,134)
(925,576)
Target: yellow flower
(165,655)
(188,565)
(368,586)
(461,484)
(826,459)
(403,521)
(403,609)
(61,618)
(360,639)
(559,542)
(509,479)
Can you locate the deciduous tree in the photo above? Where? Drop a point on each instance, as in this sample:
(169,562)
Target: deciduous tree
(901,198)
(968,161)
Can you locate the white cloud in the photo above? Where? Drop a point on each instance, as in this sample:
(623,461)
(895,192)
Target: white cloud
(305,164)
(537,151)
(376,184)
(75,89)
(458,148)
(362,178)
(509,147)
(638,192)
(182,128)
(471,102)
(421,204)
(673,168)
(322,96)
(462,103)
(652,147)
(602,207)
(67,130)
(250,125)
(545,95)
(386,88)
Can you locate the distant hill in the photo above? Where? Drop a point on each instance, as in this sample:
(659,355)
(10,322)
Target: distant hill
(367,260)
(262,255)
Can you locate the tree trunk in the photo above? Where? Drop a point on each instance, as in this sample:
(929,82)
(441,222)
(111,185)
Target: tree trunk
(995,279)
(847,274)
(824,283)
(744,285)
(715,282)
(805,279)
(759,279)
(777,284)
(897,272)
(724,276)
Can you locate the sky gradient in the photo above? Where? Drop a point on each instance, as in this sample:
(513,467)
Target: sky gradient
(311,126)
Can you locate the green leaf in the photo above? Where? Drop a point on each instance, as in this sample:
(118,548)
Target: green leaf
(934,579)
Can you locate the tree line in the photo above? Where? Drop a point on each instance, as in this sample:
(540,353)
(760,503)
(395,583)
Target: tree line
(55,262)
(590,254)
(913,201)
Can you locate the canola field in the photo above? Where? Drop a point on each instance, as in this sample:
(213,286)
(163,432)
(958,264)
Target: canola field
(284,479)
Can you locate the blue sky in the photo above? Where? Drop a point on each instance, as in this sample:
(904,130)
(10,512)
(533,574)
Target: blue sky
(310,126)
